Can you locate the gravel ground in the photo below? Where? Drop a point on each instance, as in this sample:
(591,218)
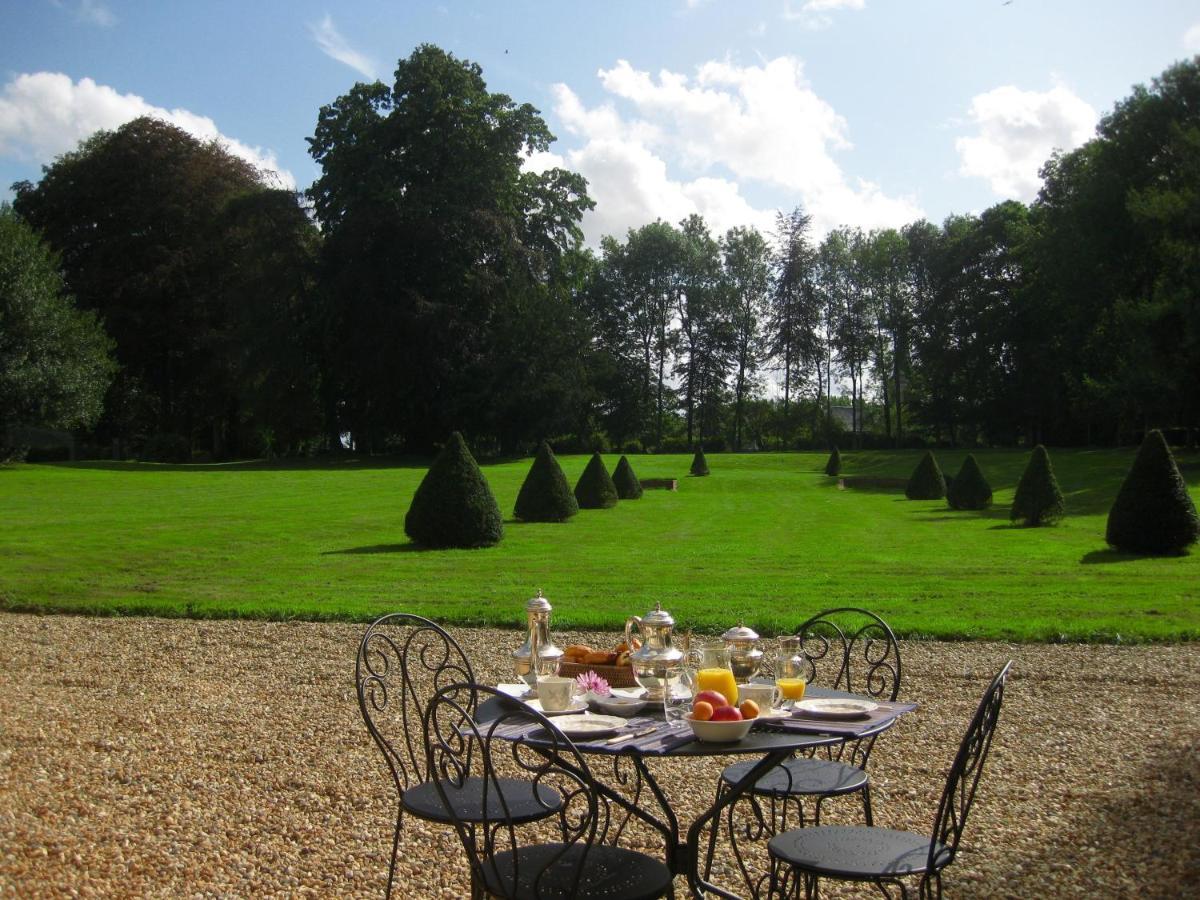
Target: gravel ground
(145,757)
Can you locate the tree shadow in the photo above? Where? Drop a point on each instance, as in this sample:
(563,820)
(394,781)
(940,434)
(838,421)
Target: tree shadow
(958,515)
(410,547)
(1109,555)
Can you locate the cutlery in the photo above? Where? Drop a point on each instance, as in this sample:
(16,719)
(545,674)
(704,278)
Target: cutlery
(632,734)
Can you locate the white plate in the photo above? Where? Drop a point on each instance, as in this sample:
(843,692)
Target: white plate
(835,709)
(588,726)
(578,704)
(615,704)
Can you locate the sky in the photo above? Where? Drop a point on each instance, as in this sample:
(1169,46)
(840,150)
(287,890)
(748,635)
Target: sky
(868,113)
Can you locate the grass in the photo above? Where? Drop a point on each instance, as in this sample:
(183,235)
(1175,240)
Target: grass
(767,538)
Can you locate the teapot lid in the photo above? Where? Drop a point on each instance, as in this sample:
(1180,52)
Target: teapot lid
(538,603)
(740,633)
(657,617)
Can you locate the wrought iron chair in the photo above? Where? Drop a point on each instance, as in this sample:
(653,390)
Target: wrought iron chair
(509,856)
(849,649)
(403,660)
(802,856)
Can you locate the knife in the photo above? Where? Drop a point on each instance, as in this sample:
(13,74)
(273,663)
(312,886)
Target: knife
(632,734)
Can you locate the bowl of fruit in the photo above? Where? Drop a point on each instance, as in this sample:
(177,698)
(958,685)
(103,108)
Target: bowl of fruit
(716,720)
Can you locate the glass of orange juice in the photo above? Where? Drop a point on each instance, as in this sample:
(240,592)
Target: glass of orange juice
(791,670)
(714,672)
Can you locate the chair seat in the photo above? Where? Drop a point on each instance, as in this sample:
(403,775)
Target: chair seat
(801,776)
(423,801)
(607,873)
(856,852)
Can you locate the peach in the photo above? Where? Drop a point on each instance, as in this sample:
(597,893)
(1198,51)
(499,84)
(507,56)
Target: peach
(702,710)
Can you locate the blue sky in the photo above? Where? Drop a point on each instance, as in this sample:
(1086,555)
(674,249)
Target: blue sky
(869,112)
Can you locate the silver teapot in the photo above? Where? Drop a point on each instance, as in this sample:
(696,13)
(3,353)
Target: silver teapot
(656,664)
(745,657)
(538,644)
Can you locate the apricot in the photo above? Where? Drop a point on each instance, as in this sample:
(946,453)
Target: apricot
(749,709)
(702,710)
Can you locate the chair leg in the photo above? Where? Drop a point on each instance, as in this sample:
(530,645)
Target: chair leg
(395,852)
(866,798)
(712,835)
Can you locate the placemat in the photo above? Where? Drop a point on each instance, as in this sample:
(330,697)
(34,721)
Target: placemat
(802,724)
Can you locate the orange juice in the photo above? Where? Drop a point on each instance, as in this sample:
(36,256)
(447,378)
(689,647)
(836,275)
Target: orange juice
(720,680)
(791,688)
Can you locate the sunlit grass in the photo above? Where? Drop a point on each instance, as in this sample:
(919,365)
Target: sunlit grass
(766,538)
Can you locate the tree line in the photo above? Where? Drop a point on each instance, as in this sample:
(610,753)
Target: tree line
(428,282)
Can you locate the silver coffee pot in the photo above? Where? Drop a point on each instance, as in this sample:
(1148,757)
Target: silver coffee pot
(656,663)
(538,644)
(745,657)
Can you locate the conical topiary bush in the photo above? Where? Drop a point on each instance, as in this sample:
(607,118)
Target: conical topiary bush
(595,488)
(833,468)
(1038,501)
(627,484)
(926,482)
(699,463)
(1153,512)
(969,489)
(453,505)
(545,495)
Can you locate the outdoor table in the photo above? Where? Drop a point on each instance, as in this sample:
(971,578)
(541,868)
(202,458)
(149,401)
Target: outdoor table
(773,740)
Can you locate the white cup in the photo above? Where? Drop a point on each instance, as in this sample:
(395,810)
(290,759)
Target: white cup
(554,692)
(767,696)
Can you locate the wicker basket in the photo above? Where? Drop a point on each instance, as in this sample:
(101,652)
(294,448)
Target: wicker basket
(616,676)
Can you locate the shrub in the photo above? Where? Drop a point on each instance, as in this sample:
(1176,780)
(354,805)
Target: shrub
(545,495)
(595,488)
(926,482)
(969,489)
(833,468)
(628,486)
(635,446)
(166,448)
(1153,512)
(699,463)
(453,505)
(1038,501)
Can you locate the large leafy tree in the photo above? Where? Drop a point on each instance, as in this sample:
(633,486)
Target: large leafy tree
(141,217)
(747,262)
(439,246)
(54,359)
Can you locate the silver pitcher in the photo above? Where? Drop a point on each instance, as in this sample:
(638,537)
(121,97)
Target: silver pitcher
(745,656)
(656,663)
(538,644)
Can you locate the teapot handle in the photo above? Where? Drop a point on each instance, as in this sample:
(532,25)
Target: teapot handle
(629,623)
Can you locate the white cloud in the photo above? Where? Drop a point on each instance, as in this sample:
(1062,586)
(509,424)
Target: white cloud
(815,14)
(689,145)
(95,12)
(333,45)
(1191,39)
(44,114)
(1016,133)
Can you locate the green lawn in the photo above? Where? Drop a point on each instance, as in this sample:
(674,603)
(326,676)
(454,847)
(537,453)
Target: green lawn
(766,538)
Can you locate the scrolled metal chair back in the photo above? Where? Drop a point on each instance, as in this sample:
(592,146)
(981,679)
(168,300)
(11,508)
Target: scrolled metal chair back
(963,779)
(852,649)
(403,661)
(462,749)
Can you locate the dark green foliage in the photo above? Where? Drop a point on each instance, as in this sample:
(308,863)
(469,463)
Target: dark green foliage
(453,505)
(628,486)
(969,489)
(595,488)
(1153,512)
(926,482)
(699,463)
(833,468)
(1038,501)
(545,495)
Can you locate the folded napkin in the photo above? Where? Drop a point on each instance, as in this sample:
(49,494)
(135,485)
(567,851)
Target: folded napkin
(885,713)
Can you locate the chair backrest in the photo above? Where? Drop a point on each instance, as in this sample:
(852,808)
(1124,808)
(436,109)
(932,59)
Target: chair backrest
(964,775)
(852,649)
(403,660)
(463,750)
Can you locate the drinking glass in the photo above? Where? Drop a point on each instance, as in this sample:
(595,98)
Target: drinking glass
(677,697)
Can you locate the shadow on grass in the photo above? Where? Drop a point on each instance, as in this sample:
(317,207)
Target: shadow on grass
(1108,555)
(409,547)
(957,515)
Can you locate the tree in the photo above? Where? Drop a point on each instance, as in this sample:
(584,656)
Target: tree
(833,467)
(1038,500)
(1153,512)
(139,216)
(545,495)
(595,488)
(440,250)
(454,505)
(54,359)
(699,463)
(926,481)
(747,260)
(795,313)
(970,489)
(626,481)
(705,342)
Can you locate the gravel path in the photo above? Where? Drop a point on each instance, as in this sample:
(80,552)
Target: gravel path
(146,757)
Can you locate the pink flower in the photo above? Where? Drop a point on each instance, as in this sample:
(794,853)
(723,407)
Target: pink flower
(589,681)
